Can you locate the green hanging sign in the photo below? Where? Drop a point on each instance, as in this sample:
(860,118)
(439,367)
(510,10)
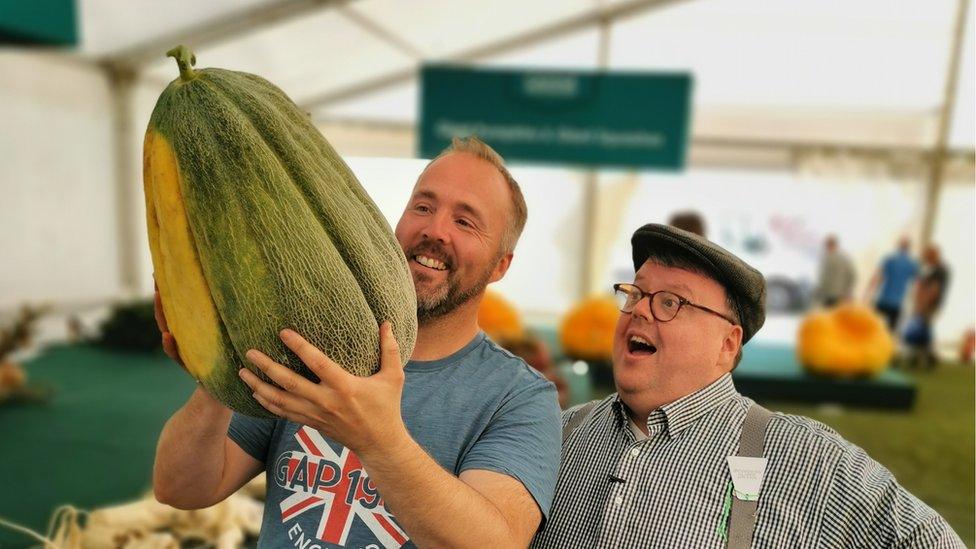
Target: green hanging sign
(38,22)
(592,119)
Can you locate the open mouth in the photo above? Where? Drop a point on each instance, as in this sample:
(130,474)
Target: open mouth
(639,346)
(430,262)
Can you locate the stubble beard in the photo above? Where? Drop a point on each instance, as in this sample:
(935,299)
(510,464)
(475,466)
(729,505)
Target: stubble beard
(440,301)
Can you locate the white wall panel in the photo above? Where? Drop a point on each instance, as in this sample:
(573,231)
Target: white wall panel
(57,185)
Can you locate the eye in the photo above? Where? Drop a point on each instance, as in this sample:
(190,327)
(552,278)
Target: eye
(463,222)
(422,208)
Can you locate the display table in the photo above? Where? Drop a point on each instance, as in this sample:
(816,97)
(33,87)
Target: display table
(770,372)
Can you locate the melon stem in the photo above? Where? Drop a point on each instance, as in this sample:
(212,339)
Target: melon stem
(185,59)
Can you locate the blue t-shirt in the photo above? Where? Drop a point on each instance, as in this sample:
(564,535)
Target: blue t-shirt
(897,271)
(480,408)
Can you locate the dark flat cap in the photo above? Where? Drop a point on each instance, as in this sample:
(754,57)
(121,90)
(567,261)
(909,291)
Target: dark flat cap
(744,284)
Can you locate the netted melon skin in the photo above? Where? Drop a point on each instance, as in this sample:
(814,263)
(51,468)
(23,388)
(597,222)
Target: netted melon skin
(281,235)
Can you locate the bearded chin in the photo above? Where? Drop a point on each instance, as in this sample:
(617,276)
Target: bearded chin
(436,306)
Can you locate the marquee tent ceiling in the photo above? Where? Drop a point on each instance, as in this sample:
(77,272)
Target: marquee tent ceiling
(795,60)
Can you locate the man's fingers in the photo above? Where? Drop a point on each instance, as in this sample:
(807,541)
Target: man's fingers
(320,364)
(283,377)
(277,401)
(272,407)
(389,349)
(158,310)
(169,342)
(279,410)
(171,349)
(269,406)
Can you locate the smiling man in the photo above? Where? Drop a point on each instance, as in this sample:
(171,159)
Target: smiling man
(678,458)
(459,448)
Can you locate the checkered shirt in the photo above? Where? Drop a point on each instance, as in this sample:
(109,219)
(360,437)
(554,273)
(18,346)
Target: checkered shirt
(671,490)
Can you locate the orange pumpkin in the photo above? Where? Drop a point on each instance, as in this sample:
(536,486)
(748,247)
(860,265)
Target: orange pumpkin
(499,319)
(847,341)
(12,377)
(586,332)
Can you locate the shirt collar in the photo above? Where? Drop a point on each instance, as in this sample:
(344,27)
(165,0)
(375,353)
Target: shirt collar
(676,416)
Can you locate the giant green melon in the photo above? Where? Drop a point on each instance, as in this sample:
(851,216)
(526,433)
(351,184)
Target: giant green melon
(255,225)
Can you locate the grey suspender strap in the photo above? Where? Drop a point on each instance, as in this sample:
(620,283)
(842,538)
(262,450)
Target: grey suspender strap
(578,418)
(742,520)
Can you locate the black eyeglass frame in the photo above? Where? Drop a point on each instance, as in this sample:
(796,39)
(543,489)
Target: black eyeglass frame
(619,287)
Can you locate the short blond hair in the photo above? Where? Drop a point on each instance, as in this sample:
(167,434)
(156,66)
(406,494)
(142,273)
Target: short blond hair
(520,212)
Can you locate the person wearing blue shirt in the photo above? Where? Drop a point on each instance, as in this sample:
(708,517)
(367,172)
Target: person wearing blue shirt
(891,280)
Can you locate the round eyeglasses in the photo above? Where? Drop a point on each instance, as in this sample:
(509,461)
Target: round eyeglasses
(664,305)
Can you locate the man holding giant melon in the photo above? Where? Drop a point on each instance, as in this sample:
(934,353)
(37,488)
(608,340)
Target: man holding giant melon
(343,360)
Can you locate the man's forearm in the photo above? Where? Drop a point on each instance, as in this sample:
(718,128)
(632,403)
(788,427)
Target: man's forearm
(190,453)
(434,507)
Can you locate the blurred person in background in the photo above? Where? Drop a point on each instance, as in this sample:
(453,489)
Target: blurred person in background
(534,351)
(667,460)
(891,282)
(459,447)
(930,292)
(836,281)
(688,220)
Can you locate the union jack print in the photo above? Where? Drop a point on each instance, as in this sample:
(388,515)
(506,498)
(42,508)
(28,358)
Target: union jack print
(318,477)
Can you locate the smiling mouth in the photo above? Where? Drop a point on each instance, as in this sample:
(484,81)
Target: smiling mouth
(640,346)
(430,262)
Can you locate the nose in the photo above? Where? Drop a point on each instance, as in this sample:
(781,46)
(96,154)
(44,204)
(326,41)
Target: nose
(643,309)
(437,228)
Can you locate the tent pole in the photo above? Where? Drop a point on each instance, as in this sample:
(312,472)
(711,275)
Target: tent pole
(939,153)
(590,211)
(122,83)
(591,192)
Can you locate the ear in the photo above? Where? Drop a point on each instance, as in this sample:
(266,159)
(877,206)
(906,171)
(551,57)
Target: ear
(504,262)
(730,348)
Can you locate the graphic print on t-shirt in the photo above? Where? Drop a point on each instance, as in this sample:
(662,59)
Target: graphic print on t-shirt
(327,480)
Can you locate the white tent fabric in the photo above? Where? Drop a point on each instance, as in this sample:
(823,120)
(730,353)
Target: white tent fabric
(833,60)
(57,209)
(831,57)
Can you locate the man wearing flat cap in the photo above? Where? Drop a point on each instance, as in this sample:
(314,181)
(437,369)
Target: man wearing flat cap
(678,458)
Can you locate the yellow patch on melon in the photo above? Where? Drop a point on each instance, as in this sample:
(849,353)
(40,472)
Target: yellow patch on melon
(190,311)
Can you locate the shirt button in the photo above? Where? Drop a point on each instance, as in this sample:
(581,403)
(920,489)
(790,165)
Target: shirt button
(618,500)
(634,451)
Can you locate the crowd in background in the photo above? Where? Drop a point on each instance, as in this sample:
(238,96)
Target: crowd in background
(924,280)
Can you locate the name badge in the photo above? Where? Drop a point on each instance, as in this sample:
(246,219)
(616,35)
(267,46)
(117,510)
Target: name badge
(747,476)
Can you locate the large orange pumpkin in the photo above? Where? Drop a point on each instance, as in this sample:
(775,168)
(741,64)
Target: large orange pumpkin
(847,341)
(586,332)
(499,319)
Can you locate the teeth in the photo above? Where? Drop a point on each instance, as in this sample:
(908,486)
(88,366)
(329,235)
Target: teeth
(639,339)
(430,262)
